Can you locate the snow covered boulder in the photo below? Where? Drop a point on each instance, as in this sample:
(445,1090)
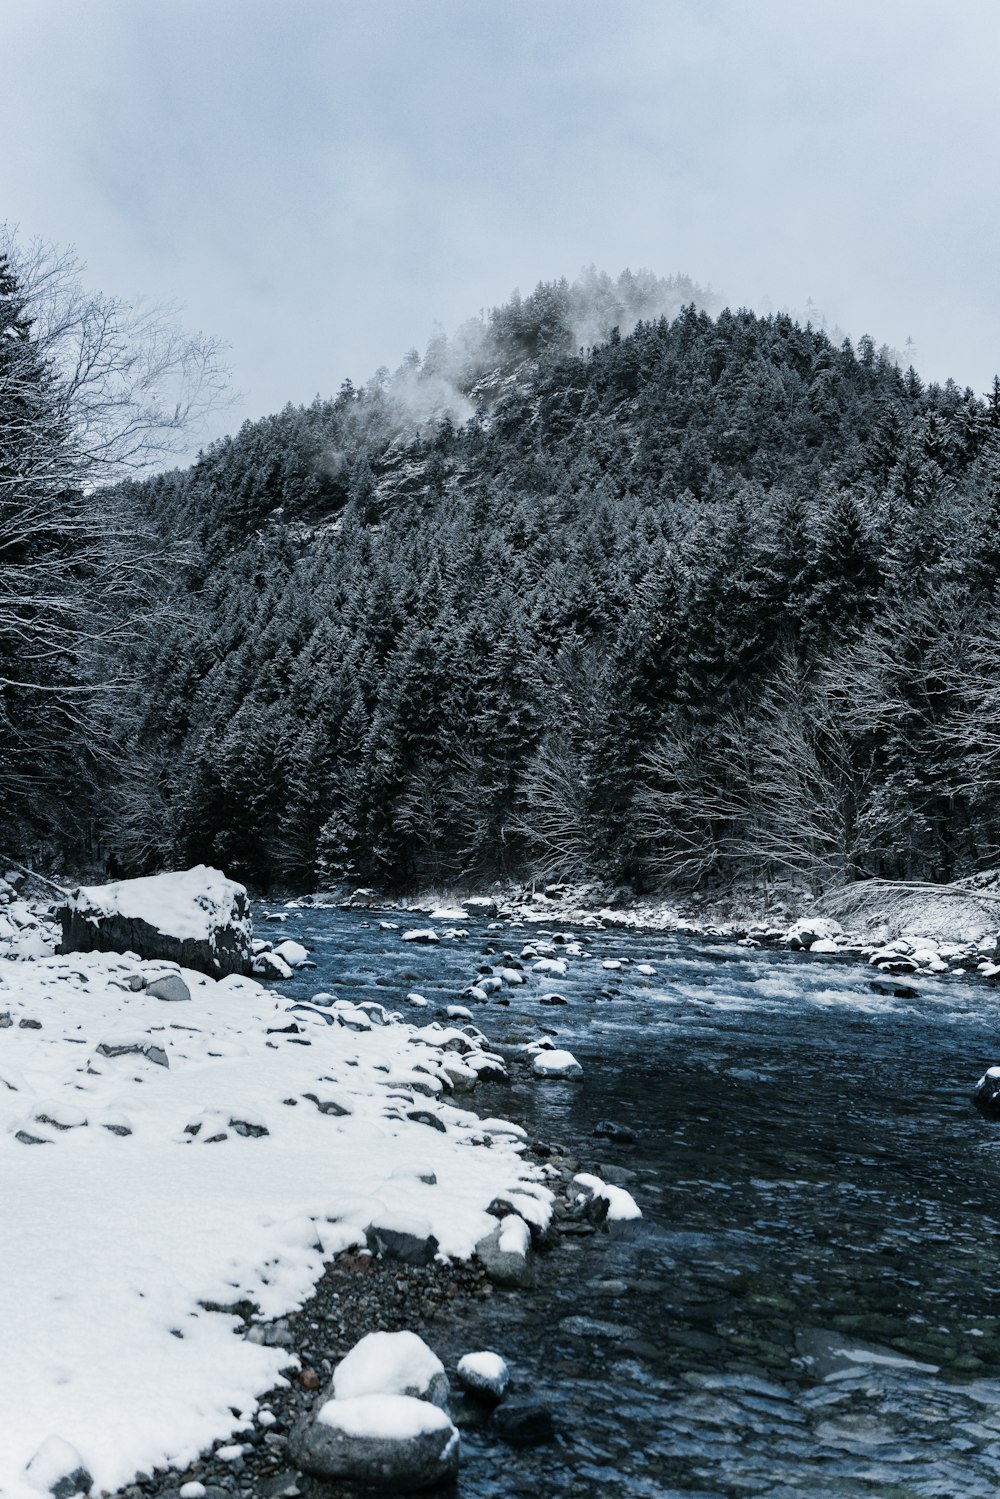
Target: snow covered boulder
(196,917)
(268,965)
(484,1375)
(809,929)
(505,1254)
(986,1094)
(58,1469)
(391,1363)
(556,1063)
(392,1443)
(619,1210)
(292,953)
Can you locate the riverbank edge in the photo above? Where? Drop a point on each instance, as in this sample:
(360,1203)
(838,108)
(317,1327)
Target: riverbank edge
(360,1293)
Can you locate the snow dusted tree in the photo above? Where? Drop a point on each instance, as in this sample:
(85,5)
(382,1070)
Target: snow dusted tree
(89,390)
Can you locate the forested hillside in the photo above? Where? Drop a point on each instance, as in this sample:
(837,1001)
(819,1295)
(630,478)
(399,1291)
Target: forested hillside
(709,600)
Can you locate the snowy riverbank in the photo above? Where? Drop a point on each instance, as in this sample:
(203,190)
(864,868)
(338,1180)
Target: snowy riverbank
(162,1155)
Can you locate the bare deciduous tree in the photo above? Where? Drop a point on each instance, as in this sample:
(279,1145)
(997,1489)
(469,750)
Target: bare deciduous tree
(133,386)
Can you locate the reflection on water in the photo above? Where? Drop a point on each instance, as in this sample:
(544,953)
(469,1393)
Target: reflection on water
(812,1304)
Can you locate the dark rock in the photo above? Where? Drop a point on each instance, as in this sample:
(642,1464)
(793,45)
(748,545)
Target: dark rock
(135,1048)
(620,1133)
(424,1116)
(986,1094)
(397,1244)
(30,1025)
(390,1464)
(505,1254)
(171,987)
(523,1422)
(327,1106)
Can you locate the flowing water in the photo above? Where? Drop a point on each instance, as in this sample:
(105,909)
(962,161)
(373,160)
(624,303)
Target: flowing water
(811,1304)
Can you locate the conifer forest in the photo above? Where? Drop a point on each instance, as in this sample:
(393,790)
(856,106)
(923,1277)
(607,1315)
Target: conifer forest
(609,584)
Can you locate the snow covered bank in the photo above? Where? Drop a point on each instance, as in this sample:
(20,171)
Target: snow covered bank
(162,1155)
(197,917)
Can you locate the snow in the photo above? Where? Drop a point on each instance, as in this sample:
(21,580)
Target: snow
(188,905)
(556,1063)
(622,1206)
(292,953)
(112,1240)
(485,1371)
(54,1460)
(515,1236)
(388,1417)
(387,1363)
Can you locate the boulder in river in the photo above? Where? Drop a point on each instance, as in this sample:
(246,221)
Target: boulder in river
(986,1094)
(195,917)
(505,1254)
(484,1375)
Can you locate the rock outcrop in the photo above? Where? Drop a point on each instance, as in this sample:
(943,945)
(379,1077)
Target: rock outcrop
(197,918)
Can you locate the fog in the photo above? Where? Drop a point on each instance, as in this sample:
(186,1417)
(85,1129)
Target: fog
(323,185)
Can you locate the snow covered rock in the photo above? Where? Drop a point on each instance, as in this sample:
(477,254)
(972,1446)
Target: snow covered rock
(58,1469)
(986,1094)
(555,1063)
(480,905)
(426,935)
(505,1254)
(391,1363)
(824,944)
(196,917)
(292,953)
(623,1212)
(169,987)
(403,1238)
(268,965)
(809,929)
(484,1375)
(392,1443)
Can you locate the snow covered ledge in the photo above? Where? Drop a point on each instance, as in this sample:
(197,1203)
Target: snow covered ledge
(195,917)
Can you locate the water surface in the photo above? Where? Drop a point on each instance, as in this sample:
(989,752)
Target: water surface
(812,1302)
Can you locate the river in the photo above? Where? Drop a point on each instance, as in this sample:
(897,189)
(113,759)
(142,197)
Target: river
(811,1304)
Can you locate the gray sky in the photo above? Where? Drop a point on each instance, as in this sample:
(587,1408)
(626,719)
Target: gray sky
(321,182)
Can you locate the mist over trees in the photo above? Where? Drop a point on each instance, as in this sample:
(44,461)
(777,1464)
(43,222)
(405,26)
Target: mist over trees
(671,598)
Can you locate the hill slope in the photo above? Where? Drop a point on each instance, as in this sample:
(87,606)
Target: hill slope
(710,599)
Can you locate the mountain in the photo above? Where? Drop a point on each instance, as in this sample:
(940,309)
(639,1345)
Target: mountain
(674,597)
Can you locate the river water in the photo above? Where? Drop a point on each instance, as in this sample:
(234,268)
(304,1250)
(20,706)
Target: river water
(811,1304)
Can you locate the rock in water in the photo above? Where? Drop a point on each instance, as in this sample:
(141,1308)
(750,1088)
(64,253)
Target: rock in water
(556,1063)
(484,1375)
(392,1443)
(986,1094)
(505,1254)
(197,918)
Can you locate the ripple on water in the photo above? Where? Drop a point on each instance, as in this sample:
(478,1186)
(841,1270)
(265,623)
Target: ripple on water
(820,1222)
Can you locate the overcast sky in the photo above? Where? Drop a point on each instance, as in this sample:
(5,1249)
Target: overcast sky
(320,183)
